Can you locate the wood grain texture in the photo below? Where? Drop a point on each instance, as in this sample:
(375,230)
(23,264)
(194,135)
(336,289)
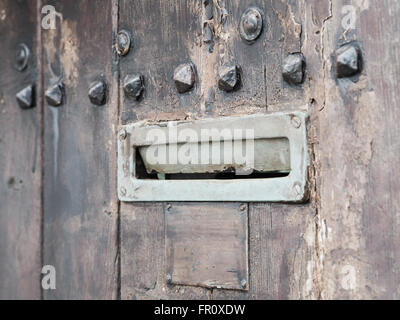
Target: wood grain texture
(231,48)
(80,203)
(281,253)
(282,259)
(165,34)
(359,210)
(343,244)
(143,265)
(20,159)
(290,274)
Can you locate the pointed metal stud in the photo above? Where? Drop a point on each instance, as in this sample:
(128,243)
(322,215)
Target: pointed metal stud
(134,85)
(26,97)
(54,95)
(97,93)
(293,68)
(229,77)
(184,77)
(348,61)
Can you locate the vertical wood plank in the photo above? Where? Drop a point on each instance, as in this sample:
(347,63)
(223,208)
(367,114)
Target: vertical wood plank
(20,159)
(80,203)
(165,34)
(281,253)
(261,71)
(143,264)
(230,47)
(283,263)
(359,157)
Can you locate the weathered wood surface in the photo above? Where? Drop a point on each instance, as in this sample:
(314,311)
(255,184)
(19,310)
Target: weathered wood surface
(143,265)
(281,253)
(260,65)
(359,158)
(80,203)
(165,34)
(343,244)
(20,157)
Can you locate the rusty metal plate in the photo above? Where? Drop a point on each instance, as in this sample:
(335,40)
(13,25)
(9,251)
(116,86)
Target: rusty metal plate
(279,146)
(207,248)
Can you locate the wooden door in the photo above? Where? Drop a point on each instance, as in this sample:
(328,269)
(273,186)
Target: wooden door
(58,164)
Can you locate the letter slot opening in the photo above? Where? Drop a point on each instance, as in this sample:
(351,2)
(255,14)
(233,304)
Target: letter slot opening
(264,158)
(248,158)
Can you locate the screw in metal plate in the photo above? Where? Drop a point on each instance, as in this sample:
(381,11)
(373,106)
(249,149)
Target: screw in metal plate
(297,189)
(122,191)
(21,56)
(251,24)
(184,77)
(296,122)
(229,77)
(54,95)
(134,85)
(293,68)
(122,134)
(348,60)
(26,97)
(243,283)
(97,92)
(123,42)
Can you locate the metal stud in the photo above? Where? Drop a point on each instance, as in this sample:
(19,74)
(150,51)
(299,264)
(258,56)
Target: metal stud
(26,97)
(97,92)
(229,77)
(293,68)
(134,85)
(123,42)
(21,56)
(251,24)
(348,60)
(184,77)
(55,94)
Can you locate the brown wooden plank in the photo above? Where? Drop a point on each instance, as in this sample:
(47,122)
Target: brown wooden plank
(281,253)
(286,24)
(81,208)
(360,158)
(164,34)
(261,72)
(143,265)
(20,160)
(230,47)
(282,260)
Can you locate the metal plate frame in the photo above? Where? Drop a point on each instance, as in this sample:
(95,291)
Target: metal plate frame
(207,245)
(291,188)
